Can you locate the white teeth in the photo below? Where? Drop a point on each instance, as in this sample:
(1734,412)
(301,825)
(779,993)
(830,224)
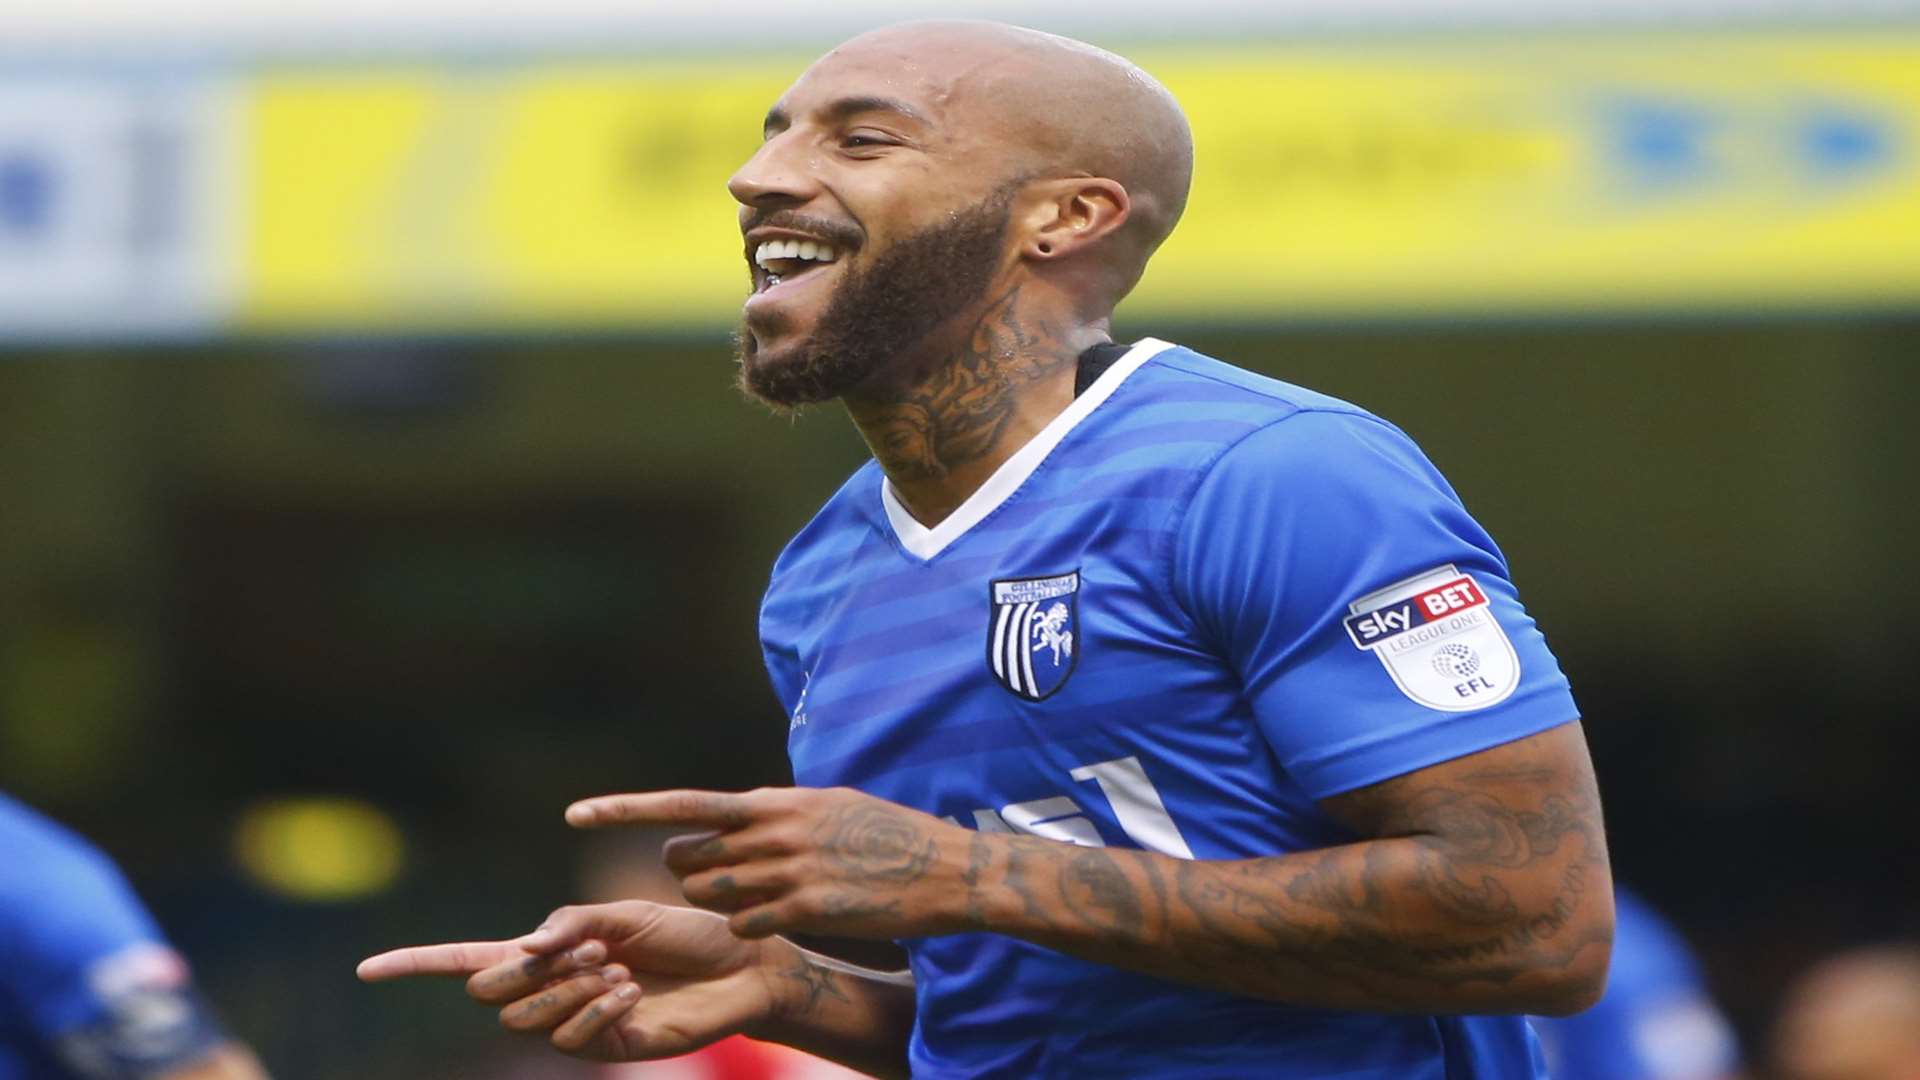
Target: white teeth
(793,249)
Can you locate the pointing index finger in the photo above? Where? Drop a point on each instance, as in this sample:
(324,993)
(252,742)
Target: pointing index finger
(459,958)
(713,809)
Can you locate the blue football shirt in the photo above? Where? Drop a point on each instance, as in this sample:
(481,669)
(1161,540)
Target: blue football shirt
(88,988)
(1656,1020)
(1194,604)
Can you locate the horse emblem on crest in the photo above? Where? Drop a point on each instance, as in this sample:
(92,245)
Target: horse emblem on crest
(1032,633)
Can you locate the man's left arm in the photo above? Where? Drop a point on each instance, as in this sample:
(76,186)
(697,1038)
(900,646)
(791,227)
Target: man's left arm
(1478,885)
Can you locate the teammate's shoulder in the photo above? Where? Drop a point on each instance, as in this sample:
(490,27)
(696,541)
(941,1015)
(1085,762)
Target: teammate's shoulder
(1648,949)
(43,848)
(60,890)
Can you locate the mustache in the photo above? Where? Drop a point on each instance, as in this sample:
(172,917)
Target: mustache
(839,234)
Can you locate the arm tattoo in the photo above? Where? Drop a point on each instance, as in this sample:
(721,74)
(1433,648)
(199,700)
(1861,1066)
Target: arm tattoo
(1439,900)
(1026,857)
(979,857)
(815,981)
(1099,894)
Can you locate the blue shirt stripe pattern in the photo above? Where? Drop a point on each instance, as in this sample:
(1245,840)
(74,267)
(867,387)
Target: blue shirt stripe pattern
(1198,602)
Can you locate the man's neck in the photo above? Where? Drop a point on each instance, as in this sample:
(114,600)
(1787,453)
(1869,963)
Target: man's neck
(942,435)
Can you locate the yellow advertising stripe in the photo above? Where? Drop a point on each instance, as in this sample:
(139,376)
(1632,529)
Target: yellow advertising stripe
(498,197)
(1450,175)
(1644,173)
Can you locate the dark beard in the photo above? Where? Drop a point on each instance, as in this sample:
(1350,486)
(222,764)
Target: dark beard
(880,315)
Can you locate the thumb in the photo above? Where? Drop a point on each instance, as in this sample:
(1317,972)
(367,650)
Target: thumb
(571,925)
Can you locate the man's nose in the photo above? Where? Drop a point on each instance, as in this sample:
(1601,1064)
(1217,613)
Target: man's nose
(773,177)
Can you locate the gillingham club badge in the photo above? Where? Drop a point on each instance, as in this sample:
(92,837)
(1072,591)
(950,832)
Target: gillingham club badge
(1033,633)
(1436,635)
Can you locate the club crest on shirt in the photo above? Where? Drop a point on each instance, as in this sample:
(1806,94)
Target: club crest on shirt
(1436,635)
(1033,633)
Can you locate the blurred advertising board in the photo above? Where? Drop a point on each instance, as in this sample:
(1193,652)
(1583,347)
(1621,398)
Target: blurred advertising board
(576,195)
(1620,173)
(115,205)
(1444,175)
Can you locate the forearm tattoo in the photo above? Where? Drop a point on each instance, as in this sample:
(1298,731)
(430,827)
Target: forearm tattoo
(1475,884)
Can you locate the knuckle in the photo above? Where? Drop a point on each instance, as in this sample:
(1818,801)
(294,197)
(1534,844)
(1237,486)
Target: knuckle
(774,799)
(777,876)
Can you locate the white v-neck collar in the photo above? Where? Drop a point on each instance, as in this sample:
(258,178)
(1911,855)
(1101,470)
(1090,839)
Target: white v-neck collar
(924,543)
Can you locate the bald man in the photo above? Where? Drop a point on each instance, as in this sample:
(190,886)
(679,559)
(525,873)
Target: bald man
(1855,1016)
(1178,721)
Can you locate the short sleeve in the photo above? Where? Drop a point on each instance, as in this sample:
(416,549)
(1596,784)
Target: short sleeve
(99,984)
(1372,622)
(783,668)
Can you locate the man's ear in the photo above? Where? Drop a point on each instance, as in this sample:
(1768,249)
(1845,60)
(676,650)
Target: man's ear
(1070,215)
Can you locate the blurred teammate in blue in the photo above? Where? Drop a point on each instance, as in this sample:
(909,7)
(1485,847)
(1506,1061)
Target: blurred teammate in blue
(1656,1020)
(1178,721)
(89,989)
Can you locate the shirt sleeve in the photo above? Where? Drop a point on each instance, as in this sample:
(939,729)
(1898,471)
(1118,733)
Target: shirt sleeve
(100,985)
(783,669)
(1372,622)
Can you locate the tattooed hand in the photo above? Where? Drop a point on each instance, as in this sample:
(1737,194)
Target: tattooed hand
(826,861)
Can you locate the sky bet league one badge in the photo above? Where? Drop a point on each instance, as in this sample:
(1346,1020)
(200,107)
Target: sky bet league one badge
(1436,635)
(1033,633)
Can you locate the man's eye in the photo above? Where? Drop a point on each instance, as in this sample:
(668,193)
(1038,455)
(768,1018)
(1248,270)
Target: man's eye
(860,141)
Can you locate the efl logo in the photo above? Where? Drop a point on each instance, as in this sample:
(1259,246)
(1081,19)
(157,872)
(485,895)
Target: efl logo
(1370,628)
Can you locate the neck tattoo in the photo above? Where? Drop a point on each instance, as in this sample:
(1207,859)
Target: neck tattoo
(958,411)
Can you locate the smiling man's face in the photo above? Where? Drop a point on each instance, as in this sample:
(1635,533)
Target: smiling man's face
(875,214)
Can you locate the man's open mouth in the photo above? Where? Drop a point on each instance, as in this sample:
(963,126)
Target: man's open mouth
(782,261)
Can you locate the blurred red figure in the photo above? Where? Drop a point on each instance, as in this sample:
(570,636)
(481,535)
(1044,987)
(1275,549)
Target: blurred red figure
(737,1058)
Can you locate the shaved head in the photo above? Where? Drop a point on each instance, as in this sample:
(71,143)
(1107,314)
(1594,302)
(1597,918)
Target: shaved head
(920,174)
(1062,108)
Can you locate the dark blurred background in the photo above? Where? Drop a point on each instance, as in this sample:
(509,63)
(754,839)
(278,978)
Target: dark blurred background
(340,549)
